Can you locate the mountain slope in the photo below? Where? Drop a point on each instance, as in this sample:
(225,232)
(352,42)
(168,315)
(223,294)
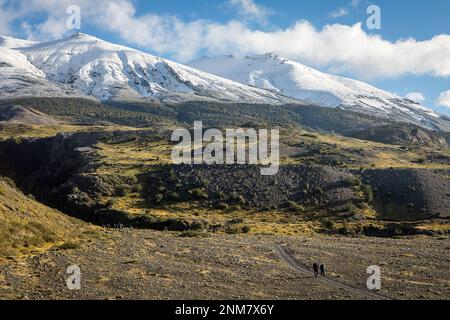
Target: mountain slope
(18,77)
(112,72)
(295,80)
(13,43)
(25,224)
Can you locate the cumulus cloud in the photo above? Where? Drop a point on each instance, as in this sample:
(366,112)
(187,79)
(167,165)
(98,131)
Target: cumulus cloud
(416,96)
(340,48)
(339,12)
(444,99)
(249,10)
(337,48)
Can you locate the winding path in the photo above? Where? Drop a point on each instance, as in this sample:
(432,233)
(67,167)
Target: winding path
(290,260)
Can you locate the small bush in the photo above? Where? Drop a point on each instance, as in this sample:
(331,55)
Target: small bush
(69,246)
(295,207)
(199,194)
(159,197)
(237,198)
(137,188)
(236,221)
(174,196)
(198,225)
(329,225)
(368,193)
(233,229)
(352,209)
(222,205)
(353,181)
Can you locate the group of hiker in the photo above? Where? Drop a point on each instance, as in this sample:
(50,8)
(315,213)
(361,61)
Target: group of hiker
(318,268)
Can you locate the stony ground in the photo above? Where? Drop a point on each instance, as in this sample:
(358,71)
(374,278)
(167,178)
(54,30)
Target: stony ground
(143,264)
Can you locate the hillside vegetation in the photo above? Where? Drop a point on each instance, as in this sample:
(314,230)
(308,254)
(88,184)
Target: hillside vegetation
(27,226)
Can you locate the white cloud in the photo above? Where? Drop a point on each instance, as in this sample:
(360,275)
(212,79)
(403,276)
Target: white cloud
(339,12)
(416,96)
(7,16)
(444,99)
(54,26)
(337,48)
(249,10)
(355,3)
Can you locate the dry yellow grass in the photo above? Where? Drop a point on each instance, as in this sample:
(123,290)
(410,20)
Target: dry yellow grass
(17,131)
(27,226)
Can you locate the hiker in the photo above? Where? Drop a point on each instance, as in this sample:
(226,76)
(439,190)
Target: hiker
(316,269)
(322,270)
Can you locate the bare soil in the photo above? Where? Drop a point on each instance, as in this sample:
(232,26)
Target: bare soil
(145,264)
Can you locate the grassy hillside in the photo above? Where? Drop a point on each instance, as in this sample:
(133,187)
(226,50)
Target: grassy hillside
(27,226)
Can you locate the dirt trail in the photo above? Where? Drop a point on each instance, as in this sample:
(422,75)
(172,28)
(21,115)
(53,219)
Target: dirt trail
(290,260)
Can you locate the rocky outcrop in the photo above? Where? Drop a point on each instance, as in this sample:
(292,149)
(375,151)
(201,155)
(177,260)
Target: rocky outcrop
(402,135)
(316,186)
(60,172)
(409,194)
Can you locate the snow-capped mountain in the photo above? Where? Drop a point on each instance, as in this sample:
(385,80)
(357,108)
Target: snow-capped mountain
(108,71)
(19,78)
(295,80)
(82,65)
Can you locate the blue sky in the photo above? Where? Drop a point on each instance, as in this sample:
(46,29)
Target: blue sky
(195,28)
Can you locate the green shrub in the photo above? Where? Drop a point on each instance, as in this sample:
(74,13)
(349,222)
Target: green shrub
(222,205)
(174,196)
(352,209)
(199,194)
(236,221)
(237,198)
(159,197)
(198,225)
(353,181)
(329,225)
(368,193)
(295,207)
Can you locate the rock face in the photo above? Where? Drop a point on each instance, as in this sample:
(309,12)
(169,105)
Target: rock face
(241,184)
(402,135)
(409,194)
(60,172)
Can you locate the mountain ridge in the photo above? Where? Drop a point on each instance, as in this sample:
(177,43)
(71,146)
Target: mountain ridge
(290,78)
(85,66)
(108,71)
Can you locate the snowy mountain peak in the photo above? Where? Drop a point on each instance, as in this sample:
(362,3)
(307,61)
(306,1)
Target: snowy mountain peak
(80,35)
(108,71)
(84,65)
(266,57)
(293,79)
